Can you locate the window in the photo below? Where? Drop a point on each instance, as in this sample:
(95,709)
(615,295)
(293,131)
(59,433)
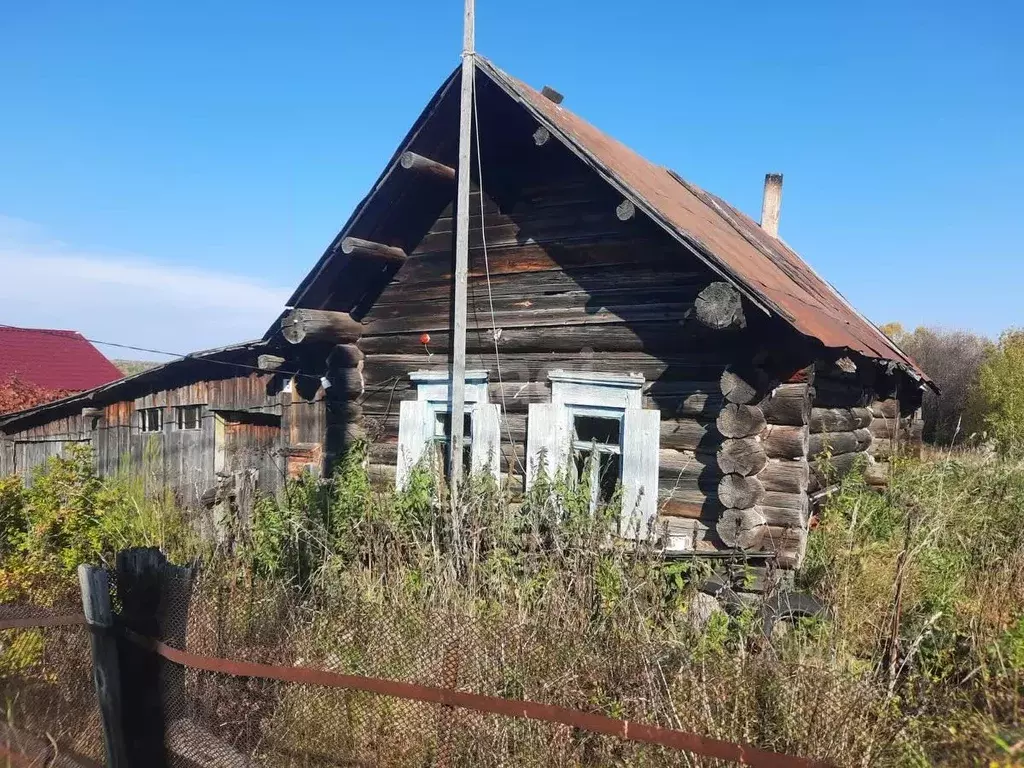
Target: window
(596,431)
(424,427)
(188,416)
(597,453)
(151,419)
(442,439)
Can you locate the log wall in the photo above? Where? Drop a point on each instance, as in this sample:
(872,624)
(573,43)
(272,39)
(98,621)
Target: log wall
(571,287)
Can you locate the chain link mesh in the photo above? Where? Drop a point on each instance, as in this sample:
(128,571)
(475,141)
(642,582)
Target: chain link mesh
(215,719)
(50,714)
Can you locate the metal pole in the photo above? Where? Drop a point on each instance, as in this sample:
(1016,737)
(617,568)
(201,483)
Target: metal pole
(458,388)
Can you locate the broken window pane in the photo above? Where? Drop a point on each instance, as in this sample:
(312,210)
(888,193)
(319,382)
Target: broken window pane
(597,429)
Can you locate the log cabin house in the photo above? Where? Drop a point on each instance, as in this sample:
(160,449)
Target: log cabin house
(624,327)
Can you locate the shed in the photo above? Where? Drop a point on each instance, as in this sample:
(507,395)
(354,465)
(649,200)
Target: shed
(238,419)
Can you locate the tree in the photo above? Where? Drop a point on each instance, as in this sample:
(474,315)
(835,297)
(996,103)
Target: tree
(1001,391)
(952,359)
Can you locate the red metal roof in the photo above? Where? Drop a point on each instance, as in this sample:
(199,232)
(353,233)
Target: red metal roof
(771,273)
(58,360)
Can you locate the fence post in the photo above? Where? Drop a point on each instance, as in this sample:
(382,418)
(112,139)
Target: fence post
(106,673)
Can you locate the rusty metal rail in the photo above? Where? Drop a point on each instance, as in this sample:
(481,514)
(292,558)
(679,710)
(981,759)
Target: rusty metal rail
(513,708)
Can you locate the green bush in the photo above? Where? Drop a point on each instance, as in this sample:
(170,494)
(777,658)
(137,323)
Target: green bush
(1001,392)
(68,516)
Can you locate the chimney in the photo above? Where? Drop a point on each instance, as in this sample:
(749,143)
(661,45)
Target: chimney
(771,203)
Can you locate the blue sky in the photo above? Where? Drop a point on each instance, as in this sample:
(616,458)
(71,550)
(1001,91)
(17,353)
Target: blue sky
(168,172)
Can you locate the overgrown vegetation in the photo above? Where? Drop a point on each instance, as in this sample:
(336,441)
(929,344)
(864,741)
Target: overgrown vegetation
(981,385)
(920,661)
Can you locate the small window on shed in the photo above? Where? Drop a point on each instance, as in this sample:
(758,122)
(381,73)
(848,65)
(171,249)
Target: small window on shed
(151,419)
(188,416)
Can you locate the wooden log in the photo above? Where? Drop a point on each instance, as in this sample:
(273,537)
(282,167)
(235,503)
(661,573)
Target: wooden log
(106,672)
(625,210)
(736,388)
(687,470)
(740,492)
(310,325)
(345,356)
(785,476)
(737,420)
(778,537)
(719,307)
(369,249)
(790,509)
(410,161)
(834,443)
(741,528)
(889,409)
(783,441)
(92,412)
(269,362)
(688,434)
(743,456)
(788,404)
(839,419)
(831,470)
(829,393)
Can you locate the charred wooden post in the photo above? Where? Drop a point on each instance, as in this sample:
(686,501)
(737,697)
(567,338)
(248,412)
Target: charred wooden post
(269,362)
(719,307)
(410,161)
(106,671)
(388,254)
(308,325)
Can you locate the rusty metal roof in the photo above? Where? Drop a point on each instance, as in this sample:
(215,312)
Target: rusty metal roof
(768,271)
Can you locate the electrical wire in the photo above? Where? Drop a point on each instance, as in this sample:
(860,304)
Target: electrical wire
(490,295)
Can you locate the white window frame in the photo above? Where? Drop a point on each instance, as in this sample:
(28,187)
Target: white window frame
(144,420)
(418,419)
(551,440)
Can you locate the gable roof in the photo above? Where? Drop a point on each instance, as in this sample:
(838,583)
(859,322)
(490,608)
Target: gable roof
(53,359)
(110,391)
(766,270)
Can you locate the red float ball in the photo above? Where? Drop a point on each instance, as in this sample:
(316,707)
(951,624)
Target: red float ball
(424,338)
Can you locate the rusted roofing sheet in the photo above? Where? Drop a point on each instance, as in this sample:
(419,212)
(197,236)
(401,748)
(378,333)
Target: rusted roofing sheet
(770,273)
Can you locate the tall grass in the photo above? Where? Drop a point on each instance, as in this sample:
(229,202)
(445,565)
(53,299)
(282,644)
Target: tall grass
(919,661)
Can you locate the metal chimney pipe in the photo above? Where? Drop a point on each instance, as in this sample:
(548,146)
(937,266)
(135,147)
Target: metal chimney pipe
(771,203)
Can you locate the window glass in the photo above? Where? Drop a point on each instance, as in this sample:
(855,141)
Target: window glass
(151,419)
(189,416)
(597,448)
(597,429)
(442,439)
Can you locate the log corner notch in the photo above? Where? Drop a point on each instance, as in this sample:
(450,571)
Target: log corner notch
(312,325)
(764,461)
(719,306)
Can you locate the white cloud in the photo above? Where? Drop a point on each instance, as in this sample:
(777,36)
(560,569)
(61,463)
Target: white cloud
(128,299)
